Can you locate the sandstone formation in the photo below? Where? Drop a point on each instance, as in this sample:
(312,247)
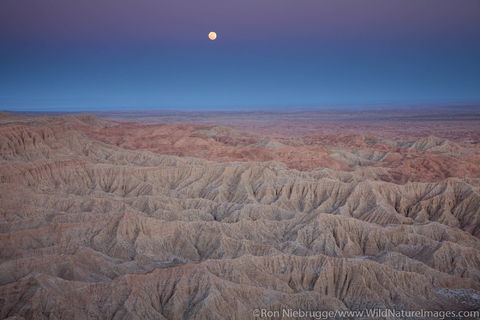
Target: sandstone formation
(121,220)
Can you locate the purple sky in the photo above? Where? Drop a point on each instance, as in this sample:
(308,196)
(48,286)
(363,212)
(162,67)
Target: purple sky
(155,53)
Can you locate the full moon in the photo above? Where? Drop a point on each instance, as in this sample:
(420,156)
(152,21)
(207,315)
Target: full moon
(212,35)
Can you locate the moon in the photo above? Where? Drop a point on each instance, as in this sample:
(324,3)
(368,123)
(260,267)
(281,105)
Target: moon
(212,35)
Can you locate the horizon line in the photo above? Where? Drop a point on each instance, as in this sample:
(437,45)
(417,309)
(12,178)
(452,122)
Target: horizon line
(324,107)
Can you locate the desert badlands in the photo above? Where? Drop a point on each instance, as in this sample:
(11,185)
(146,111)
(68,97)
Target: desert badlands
(217,216)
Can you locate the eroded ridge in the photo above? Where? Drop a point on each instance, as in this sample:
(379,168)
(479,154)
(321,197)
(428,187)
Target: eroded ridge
(198,221)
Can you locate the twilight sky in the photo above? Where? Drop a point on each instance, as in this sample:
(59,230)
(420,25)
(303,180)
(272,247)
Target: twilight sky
(124,54)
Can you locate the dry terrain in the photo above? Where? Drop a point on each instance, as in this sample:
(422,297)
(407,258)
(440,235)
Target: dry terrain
(211,216)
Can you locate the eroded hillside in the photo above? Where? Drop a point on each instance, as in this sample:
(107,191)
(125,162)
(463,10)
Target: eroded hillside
(102,219)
